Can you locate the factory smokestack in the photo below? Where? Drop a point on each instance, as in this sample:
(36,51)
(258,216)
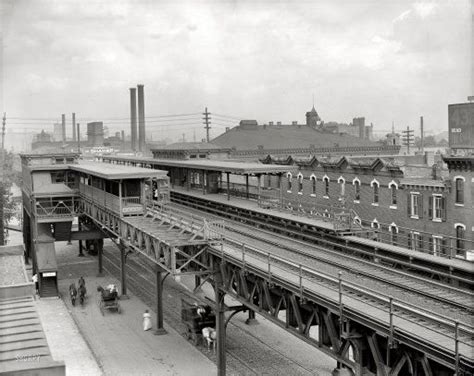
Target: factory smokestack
(63,127)
(133,118)
(73,126)
(141,119)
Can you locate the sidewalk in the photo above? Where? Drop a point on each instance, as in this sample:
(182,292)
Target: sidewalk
(64,339)
(122,347)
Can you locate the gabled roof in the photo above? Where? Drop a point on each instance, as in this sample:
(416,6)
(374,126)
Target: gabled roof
(189,146)
(286,137)
(337,162)
(374,164)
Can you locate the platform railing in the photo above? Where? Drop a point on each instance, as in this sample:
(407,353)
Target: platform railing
(51,209)
(300,276)
(207,230)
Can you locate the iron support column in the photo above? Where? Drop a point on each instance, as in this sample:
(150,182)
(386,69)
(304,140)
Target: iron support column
(220,326)
(123,275)
(159,302)
(99,254)
(203,182)
(251,319)
(259,188)
(228,186)
(79,227)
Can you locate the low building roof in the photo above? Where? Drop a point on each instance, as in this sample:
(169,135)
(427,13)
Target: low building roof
(116,172)
(46,257)
(230,166)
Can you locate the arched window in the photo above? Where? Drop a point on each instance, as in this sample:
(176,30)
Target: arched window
(459,183)
(356,183)
(326,186)
(342,183)
(393,194)
(357,220)
(289,182)
(460,236)
(375,186)
(375,224)
(393,228)
(313,185)
(300,184)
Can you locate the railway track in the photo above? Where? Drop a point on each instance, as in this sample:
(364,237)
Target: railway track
(240,361)
(321,237)
(445,300)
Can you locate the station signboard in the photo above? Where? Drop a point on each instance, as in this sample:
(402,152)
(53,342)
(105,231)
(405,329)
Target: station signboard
(461,126)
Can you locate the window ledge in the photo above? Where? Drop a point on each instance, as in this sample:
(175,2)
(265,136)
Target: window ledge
(356,201)
(300,193)
(439,220)
(288,191)
(375,204)
(393,207)
(326,197)
(458,204)
(414,217)
(313,195)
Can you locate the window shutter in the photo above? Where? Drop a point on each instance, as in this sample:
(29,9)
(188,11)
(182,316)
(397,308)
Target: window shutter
(430,207)
(409,204)
(420,206)
(443,209)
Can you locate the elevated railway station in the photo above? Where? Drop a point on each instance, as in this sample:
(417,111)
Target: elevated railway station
(263,204)
(366,331)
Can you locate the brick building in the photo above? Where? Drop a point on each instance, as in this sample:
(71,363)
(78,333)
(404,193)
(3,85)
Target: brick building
(421,207)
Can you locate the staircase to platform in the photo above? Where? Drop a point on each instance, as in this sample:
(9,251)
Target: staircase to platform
(48,287)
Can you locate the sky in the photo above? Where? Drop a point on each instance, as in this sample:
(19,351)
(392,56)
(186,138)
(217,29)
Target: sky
(389,61)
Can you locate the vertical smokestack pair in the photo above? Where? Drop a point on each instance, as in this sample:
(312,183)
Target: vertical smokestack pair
(140,143)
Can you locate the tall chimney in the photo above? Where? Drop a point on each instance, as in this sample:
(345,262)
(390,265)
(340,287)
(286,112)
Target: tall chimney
(133,118)
(141,119)
(122,135)
(63,127)
(73,126)
(422,135)
(78,137)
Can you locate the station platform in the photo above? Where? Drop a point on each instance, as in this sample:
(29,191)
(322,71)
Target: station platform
(462,265)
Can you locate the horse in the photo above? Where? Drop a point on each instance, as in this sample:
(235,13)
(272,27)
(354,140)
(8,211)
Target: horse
(73,293)
(210,335)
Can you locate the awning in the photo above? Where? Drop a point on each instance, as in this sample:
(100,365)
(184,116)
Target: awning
(46,257)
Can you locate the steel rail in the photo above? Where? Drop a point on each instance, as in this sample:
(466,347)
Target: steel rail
(467,296)
(279,229)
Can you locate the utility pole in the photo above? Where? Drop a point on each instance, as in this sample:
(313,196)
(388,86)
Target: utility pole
(2,188)
(206,122)
(408,138)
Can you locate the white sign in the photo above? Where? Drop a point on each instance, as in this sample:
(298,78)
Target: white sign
(49,274)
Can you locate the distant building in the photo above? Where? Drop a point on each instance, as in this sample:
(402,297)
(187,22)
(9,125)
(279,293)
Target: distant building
(95,133)
(57,132)
(190,150)
(250,140)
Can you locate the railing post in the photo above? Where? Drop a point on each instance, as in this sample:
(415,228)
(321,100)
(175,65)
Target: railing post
(269,268)
(243,257)
(301,280)
(456,348)
(390,339)
(340,303)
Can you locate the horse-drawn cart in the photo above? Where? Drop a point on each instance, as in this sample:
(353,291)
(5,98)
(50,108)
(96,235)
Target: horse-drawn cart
(108,300)
(196,318)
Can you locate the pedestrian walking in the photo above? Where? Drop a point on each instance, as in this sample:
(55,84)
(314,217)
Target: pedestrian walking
(35,281)
(146,321)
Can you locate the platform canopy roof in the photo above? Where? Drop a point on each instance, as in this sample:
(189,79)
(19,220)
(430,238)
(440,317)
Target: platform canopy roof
(233,167)
(116,172)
